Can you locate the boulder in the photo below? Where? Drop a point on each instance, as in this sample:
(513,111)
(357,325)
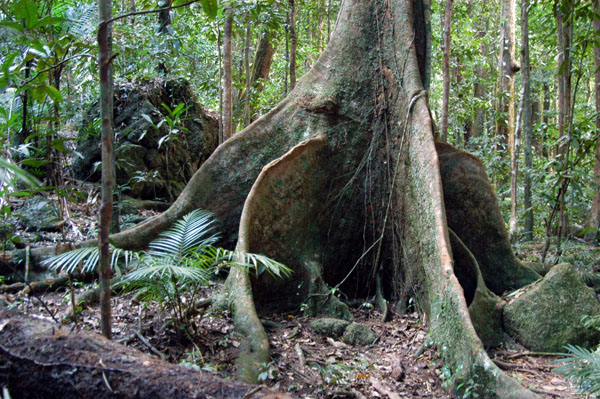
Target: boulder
(156,152)
(39,214)
(329,327)
(546,315)
(358,335)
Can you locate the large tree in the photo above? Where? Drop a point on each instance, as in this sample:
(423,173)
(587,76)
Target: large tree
(343,180)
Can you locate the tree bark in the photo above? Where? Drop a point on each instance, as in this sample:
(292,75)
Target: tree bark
(106,93)
(593,224)
(42,360)
(345,181)
(228,75)
(564,22)
(526,120)
(293,44)
(446,70)
(247,68)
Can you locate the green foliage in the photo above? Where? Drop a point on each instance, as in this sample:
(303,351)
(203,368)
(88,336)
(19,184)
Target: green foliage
(582,366)
(86,259)
(183,259)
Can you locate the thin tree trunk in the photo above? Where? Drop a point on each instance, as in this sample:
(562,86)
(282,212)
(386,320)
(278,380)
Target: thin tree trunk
(479,88)
(514,173)
(228,72)
(328,20)
(220,59)
(594,216)
(248,79)
(262,61)
(526,121)
(446,70)
(565,34)
(508,68)
(293,45)
(106,90)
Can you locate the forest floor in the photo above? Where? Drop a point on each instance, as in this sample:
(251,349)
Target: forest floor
(399,364)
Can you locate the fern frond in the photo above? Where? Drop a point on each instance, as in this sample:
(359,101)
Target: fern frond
(582,366)
(195,230)
(259,263)
(87,258)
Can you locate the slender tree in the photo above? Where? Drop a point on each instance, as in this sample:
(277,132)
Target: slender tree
(106,92)
(247,68)
(564,24)
(526,119)
(506,120)
(594,217)
(446,70)
(508,68)
(293,44)
(228,75)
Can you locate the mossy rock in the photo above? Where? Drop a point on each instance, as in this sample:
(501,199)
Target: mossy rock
(547,315)
(358,335)
(329,327)
(148,164)
(39,214)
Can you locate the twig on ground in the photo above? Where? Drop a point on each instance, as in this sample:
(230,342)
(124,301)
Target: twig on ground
(149,345)
(382,389)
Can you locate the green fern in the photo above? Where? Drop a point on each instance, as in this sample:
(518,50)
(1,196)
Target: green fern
(87,259)
(177,263)
(582,366)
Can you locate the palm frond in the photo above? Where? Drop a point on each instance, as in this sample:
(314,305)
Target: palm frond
(582,366)
(161,270)
(87,258)
(195,230)
(259,263)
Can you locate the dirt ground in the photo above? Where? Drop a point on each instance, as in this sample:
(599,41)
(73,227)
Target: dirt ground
(400,364)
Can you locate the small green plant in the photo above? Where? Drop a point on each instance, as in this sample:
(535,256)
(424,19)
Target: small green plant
(176,265)
(582,367)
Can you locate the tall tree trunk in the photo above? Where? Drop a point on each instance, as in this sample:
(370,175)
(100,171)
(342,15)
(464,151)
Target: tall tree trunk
(293,44)
(261,67)
(164,22)
(446,70)
(593,223)
(228,75)
(349,162)
(508,68)
(328,20)
(506,112)
(247,68)
(564,23)
(545,118)
(526,120)
(106,93)
(479,88)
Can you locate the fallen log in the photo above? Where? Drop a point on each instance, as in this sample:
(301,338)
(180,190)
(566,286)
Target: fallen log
(42,360)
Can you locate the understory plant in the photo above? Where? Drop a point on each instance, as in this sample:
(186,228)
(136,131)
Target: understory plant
(180,261)
(582,365)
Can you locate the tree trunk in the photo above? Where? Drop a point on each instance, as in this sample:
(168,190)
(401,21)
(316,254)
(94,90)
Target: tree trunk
(247,70)
(446,70)
(342,180)
(42,360)
(164,22)
(106,93)
(526,120)
(228,75)
(508,68)
(479,91)
(564,22)
(293,44)
(593,223)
